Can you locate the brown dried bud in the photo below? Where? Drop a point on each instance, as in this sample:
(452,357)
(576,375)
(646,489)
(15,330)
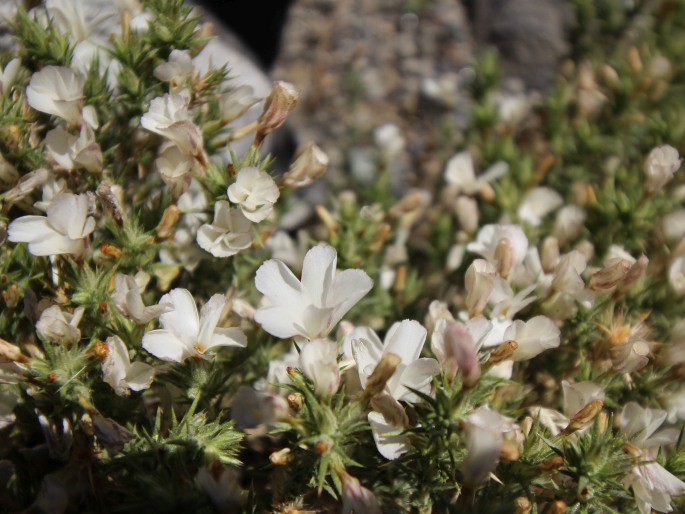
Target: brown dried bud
(168,222)
(11,296)
(323,445)
(111,251)
(381,374)
(100,350)
(551,464)
(583,417)
(549,253)
(503,352)
(379,237)
(327,219)
(295,401)
(11,353)
(636,271)
(107,194)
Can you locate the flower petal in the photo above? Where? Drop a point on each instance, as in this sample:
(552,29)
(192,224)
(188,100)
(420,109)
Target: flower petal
(318,271)
(183,320)
(417,375)
(164,345)
(139,376)
(389,446)
(405,339)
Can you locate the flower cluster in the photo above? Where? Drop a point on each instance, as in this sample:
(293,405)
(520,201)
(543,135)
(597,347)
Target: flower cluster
(179,324)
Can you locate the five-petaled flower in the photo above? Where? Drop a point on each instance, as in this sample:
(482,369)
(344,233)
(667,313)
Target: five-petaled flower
(312,307)
(62,231)
(185,334)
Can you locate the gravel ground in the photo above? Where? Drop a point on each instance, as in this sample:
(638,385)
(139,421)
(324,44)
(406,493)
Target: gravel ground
(360,64)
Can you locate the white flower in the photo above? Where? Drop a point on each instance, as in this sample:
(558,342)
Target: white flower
(456,349)
(175,167)
(9,75)
(389,140)
(577,395)
(120,373)
(71,18)
(58,326)
(356,498)
(485,431)
(538,203)
(185,334)
(63,230)
(460,172)
(229,233)
(128,300)
(168,116)
(490,236)
(533,337)
(405,340)
(58,91)
(660,165)
(318,360)
(236,102)
(255,192)
(568,223)
(71,152)
(177,70)
(312,307)
(652,485)
(479,282)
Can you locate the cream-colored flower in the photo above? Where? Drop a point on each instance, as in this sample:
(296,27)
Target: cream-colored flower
(71,152)
(58,91)
(659,167)
(229,233)
(255,192)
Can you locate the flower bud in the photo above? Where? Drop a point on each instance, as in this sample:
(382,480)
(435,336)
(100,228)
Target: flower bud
(460,353)
(310,163)
(636,271)
(381,374)
(466,209)
(503,352)
(280,102)
(522,505)
(630,356)
(549,253)
(556,507)
(660,165)
(11,353)
(28,183)
(168,222)
(281,457)
(583,417)
(479,282)
(504,257)
(107,194)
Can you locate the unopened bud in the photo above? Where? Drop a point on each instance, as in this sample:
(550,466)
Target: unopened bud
(11,353)
(281,457)
(609,76)
(327,219)
(552,464)
(583,417)
(108,196)
(632,450)
(504,257)
(503,352)
(522,505)
(280,102)
(634,60)
(556,507)
(466,209)
(610,275)
(101,350)
(460,353)
(27,185)
(549,253)
(11,296)
(509,451)
(526,425)
(381,374)
(323,445)
(310,163)
(379,237)
(168,222)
